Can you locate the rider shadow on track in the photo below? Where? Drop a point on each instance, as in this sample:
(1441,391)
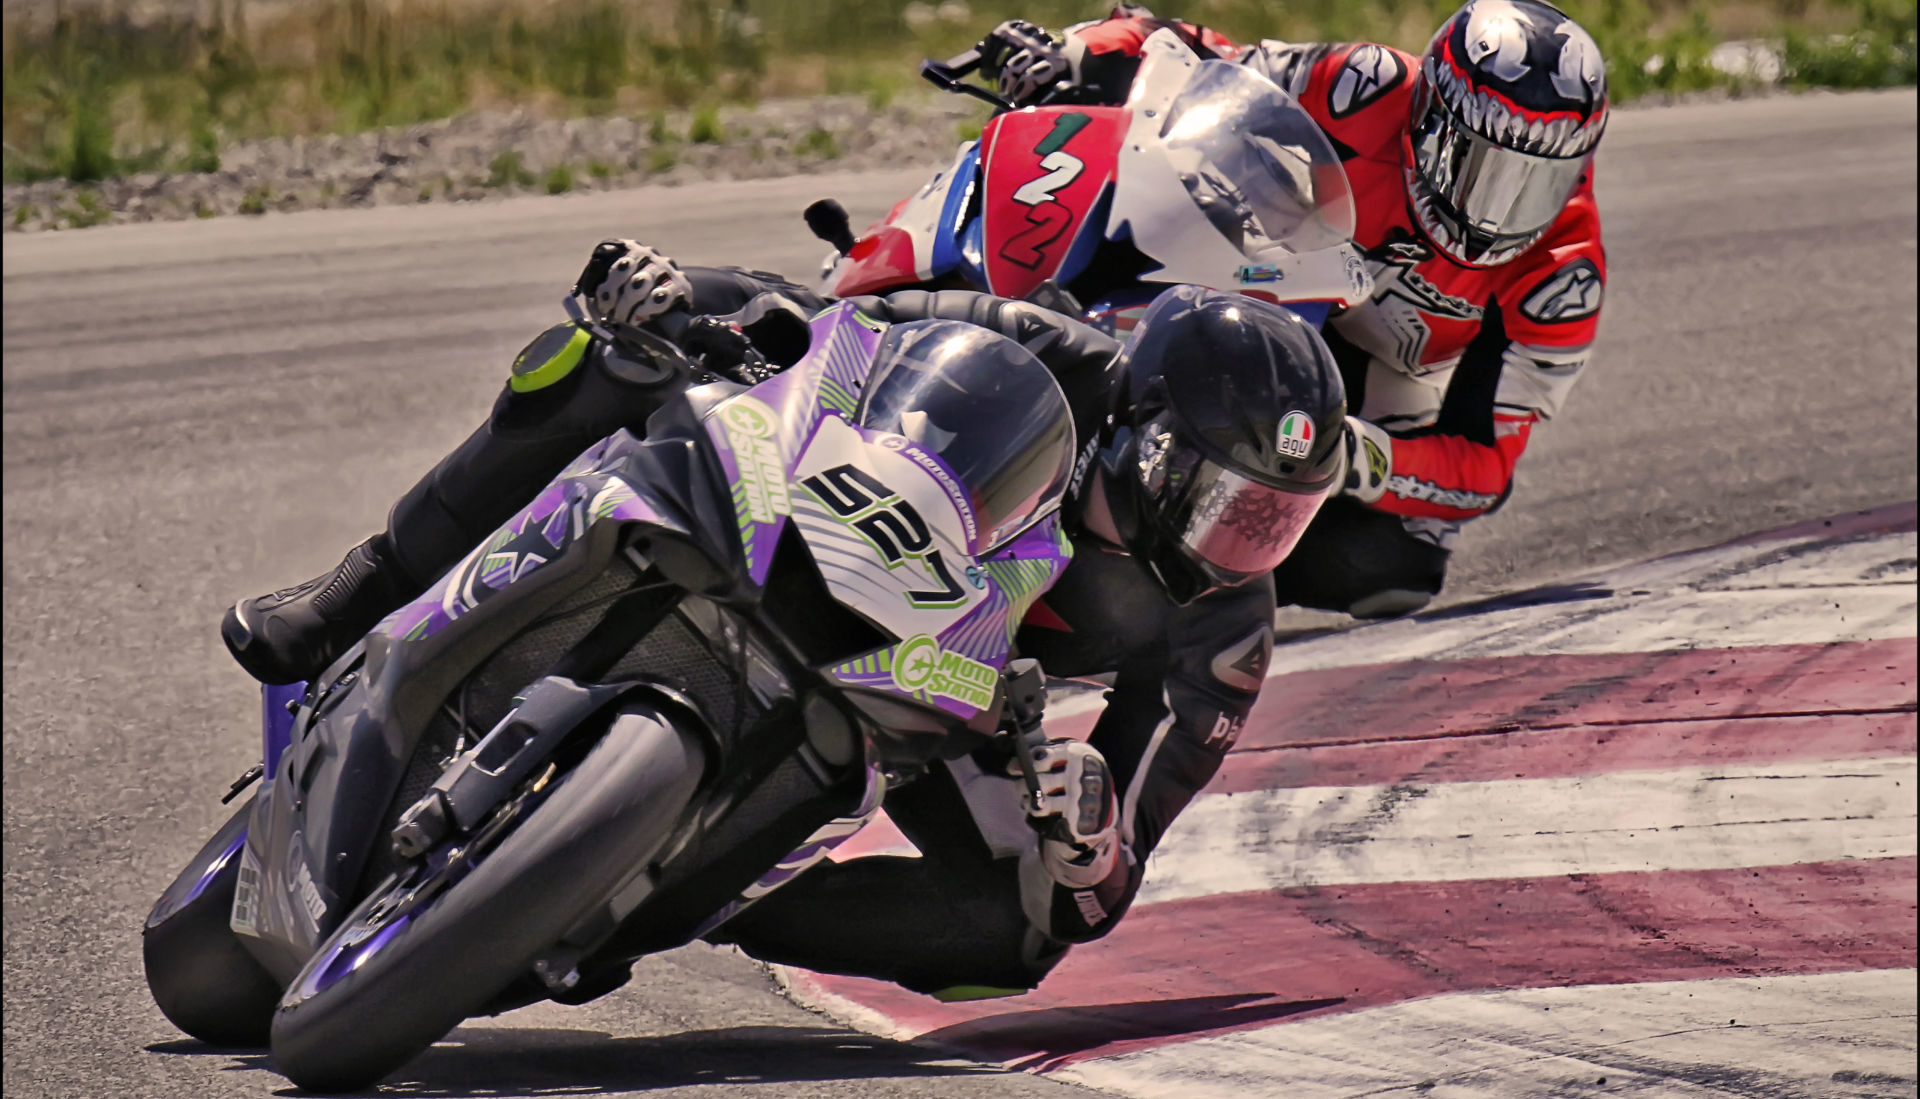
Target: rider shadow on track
(1038,1039)
(509,1062)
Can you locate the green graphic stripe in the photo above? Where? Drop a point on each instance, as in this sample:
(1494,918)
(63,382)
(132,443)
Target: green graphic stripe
(1018,578)
(874,663)
(834,396)
(740,518)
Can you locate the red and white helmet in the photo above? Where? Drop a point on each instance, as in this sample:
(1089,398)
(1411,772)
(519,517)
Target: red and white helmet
(1510,102)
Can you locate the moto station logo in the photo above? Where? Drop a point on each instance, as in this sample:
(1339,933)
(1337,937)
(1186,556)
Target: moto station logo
(762,487)
(1296,435)
(921,665)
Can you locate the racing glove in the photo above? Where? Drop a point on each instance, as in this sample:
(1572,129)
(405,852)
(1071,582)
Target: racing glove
(631,284)
(1075,812)
(1369,460)
(1023,61)
(724,348)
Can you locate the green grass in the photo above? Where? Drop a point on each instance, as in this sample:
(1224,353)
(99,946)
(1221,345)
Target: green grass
(560,179)
(661,158)
(657,130)
(706,127)
(1880,54)
(87,211)
(599,169)
(509,169)
(879,85)
(93,92)
(820,143)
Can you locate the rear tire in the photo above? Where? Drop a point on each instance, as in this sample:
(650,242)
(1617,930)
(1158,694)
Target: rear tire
(381,989)
(200,974)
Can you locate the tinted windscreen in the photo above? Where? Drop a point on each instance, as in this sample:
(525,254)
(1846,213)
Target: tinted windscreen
(1256,163)
(987,407)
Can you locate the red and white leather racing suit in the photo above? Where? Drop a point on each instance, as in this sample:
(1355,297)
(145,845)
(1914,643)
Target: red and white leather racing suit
(1458,363)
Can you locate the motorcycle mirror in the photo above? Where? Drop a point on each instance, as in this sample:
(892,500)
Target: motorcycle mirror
(828,221)
(1051,295)
(950,75)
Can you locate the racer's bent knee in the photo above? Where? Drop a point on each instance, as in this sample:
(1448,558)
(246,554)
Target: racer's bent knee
(900,920)
(1355,560)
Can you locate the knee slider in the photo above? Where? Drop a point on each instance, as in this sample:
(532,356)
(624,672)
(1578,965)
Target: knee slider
(551,357)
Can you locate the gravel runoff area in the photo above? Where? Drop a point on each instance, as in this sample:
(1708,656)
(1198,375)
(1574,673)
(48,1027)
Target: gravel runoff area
(492,154)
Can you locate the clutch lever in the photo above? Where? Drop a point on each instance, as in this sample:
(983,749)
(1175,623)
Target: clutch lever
(662,343)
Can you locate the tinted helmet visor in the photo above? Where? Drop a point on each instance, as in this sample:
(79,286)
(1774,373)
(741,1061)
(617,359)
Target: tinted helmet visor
(1490,192)
(1229,526)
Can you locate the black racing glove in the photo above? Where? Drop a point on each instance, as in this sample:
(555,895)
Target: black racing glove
(724,349)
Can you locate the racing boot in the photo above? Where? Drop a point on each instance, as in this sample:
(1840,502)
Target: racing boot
(293,634)
(296,632)
(562,397)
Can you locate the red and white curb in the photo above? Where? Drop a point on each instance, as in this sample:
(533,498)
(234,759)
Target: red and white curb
(1651,833)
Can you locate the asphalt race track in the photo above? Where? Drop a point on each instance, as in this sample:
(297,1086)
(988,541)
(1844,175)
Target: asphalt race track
(199,411)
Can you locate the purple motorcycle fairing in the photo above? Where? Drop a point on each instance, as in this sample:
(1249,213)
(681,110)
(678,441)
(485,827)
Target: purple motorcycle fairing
(827,382)
(312,828)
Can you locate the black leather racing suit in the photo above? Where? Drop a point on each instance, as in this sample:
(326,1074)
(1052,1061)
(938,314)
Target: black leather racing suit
(976,908)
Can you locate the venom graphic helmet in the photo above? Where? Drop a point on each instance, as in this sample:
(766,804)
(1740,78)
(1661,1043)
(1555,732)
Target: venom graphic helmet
(1225,437)
(1508,107)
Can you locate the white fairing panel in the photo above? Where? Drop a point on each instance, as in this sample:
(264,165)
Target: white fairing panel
(893,545)
(1154,208)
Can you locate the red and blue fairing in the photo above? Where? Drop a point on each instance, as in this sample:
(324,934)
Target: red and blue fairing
(1210,175)
(1037,212)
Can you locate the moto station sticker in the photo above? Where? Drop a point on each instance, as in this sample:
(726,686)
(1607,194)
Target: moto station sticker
(1296,435)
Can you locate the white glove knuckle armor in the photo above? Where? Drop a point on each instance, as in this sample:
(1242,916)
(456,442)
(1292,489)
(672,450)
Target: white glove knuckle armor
(1077,803)
(640,285)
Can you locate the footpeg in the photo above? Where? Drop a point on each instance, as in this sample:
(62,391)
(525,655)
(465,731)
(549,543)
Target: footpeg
(425,823)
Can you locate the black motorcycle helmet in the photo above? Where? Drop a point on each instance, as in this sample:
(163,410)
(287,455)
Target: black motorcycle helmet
(1224,439)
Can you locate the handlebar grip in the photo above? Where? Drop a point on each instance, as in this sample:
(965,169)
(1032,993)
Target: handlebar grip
(672,324)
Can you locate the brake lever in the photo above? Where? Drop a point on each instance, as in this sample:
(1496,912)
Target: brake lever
(1025,688)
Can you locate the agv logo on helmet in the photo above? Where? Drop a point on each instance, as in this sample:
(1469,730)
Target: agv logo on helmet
(1296,435)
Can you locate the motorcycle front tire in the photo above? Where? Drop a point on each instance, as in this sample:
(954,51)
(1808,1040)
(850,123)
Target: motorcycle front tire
(345,1023)
(204,981)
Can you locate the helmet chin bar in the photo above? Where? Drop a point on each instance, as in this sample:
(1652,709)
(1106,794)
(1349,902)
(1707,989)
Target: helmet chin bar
(1182,579)
(1444,229)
